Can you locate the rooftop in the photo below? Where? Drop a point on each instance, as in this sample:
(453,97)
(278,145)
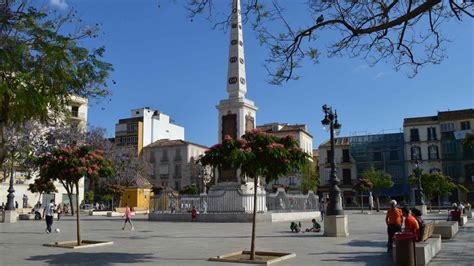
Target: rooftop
(174,142)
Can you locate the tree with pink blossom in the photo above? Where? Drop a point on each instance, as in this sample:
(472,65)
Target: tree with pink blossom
(258,155)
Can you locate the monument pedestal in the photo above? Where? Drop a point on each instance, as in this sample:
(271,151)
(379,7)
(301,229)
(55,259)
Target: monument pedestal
(10,217)
(235,197)
(336,226)
(423,209)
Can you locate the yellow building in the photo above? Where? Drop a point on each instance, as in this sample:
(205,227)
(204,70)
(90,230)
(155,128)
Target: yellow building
(138,195)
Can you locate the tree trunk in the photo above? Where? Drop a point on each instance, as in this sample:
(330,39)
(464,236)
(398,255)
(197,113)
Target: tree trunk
(378,203)
(79,241)
(361,203)
(69,195)
(254,219)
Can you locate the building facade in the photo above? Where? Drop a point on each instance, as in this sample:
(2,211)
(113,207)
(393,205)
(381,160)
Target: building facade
(437,141)
(305,141)
(144,126)
(75,116)
(355,154)
(173,162)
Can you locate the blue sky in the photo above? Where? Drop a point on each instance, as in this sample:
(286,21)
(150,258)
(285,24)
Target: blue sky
(165,61)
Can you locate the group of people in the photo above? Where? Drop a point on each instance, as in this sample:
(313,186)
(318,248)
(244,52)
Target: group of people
(296,227)
(457,211)
(413,222)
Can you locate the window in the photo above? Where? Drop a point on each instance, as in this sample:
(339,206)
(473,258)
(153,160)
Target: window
(433,152)
(291,181)
(465,125)
(177,185)
(378,156)
(415,153)
(329,156)
(414,136)
(345,156)
(346,177)
(394,155)
(152,157)
(177,171)
(164,155)
(75,111)
(432,133)
(131,128)
(177,155)
(447,127)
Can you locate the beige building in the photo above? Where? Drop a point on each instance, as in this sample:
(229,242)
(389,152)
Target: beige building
(346,169)
(305,140)
(174,162)
(437,141)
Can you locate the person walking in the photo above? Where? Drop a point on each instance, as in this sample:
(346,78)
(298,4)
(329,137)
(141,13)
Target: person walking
(393,219)
(128,217)
(322,209)
(48,213)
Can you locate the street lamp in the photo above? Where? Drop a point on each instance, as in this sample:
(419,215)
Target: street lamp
(11,197)
(331,123)
(420,198)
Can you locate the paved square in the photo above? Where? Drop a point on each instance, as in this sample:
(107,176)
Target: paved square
(165,243)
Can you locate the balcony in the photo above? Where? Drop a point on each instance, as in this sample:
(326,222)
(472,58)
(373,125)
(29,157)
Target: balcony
(164,176)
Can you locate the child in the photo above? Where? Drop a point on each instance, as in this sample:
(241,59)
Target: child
(194,214)
(316,227)
(295,228)
(128,217)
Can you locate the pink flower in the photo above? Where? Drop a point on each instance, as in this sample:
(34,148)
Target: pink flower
(227,138)
(275,145)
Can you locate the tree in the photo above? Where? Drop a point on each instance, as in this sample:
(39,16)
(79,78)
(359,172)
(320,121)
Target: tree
(434,185)
(257,154)
(42,185)
(406,33)
(68,165)
(309,179)
(362,185)
(190,190)
(89,196)
(379,179)
(42,64)
(115,190)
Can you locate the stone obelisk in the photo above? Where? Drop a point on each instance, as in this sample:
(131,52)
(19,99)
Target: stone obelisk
(237,114)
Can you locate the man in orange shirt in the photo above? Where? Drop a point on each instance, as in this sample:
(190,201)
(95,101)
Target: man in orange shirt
(411,225)
(393,219)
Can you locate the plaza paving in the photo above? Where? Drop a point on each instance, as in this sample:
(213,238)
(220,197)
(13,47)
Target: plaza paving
(166,243)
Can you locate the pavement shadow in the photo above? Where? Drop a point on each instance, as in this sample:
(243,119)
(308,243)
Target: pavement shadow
(381,258)
(82,258)
(365,243)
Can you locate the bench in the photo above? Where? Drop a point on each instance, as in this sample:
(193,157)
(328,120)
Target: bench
(469,214)
(447,230)
(26,216)
(427,248)
(462,220)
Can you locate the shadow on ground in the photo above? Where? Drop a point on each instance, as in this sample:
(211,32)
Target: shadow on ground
(365,243)
(368,258)
(103,258)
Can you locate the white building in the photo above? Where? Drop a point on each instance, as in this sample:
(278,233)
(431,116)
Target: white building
(77,117)
(145,126)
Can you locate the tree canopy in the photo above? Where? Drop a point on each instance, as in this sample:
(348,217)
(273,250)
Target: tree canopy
(434,184)
(407,34)
(378,178)
(41,65)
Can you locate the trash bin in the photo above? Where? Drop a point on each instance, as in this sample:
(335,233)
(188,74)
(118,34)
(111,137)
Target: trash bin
(405,248)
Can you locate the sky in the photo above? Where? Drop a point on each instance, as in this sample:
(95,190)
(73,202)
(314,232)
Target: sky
(167,62)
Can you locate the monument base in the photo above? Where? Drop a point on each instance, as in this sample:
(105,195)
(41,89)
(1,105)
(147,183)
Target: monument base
(423,209)
(235,197)
(336,226)
(10,217)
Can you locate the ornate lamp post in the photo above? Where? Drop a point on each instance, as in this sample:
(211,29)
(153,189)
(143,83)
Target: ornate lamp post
(420,197)
(331,123)
(11,196)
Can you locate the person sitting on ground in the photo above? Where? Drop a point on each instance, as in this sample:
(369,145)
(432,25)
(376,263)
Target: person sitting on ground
(295,228)
(194,214)
(316,227)
(454,214)
(421,223)
(411,225)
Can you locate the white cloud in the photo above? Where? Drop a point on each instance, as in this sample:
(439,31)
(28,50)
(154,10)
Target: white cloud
(61,4)
(379,75)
